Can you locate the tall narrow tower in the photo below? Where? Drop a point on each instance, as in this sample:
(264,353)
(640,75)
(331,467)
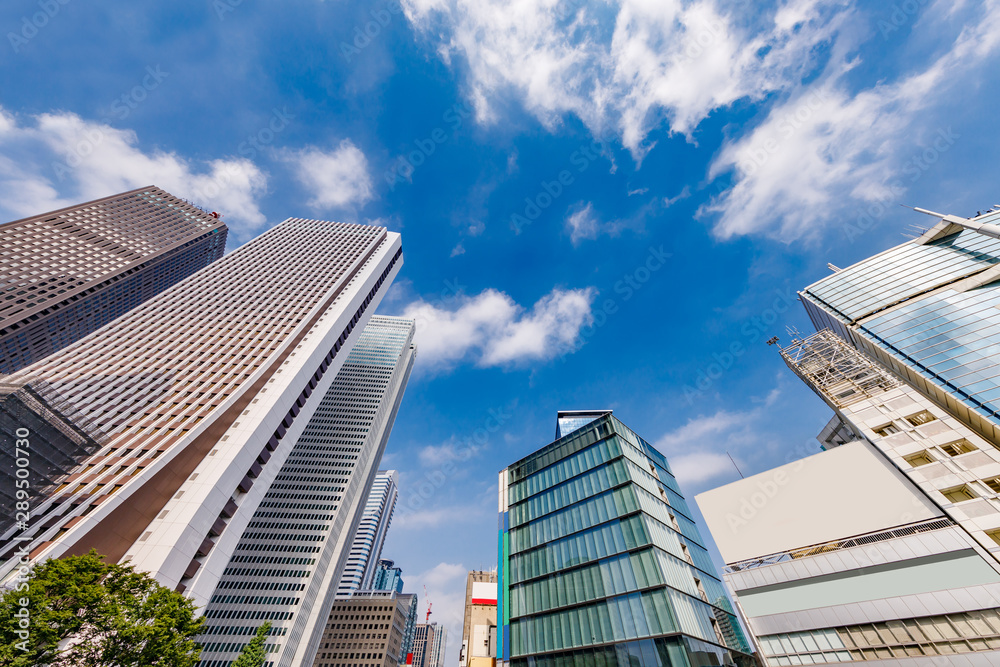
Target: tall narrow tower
(293,551)
(366,550)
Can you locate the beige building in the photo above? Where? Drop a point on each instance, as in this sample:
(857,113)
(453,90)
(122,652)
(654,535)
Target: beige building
(479,633)
(882,548)
(365,630)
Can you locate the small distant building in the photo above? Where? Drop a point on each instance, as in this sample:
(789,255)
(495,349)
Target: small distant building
(479,633)
(387,577)
(429,643)
(366,629)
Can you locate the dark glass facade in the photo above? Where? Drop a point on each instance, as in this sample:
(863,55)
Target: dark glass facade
(65,274)
(601,563)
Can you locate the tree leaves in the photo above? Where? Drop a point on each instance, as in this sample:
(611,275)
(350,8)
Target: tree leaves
(87,613)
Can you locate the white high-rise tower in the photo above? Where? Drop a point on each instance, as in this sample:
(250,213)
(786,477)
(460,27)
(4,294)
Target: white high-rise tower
(290,557)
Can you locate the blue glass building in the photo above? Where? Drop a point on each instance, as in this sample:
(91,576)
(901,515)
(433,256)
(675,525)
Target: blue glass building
(601,564)
(388,577)
(928,309)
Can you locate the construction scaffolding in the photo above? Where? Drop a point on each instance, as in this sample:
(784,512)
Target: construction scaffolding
(836,371)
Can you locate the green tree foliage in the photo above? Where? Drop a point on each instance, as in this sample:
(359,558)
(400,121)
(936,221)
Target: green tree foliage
(103,615)
(253,654)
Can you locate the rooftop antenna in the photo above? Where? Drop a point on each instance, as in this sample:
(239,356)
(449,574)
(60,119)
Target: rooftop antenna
(427,597)
(734,465)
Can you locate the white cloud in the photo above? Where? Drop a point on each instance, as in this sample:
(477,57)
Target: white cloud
(495,331)
(437,455)
(582,224)
(336,178)
(458,250)
(54,160)
(827,154)
(676,59)
(695,468)
(699,451)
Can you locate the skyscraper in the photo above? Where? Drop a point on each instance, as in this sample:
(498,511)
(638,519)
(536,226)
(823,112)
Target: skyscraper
(600,562)
(303,528)
(388,577)
(429,643)
(370,536)
(191,403)
(69,272)
(479,631)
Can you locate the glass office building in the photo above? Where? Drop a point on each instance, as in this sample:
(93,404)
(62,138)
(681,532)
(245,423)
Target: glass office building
(927,309)
(600,561)
(366,550)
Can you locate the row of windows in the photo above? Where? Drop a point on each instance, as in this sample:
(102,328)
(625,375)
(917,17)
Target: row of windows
(591,512)
(614,576)
(616,619)
(571,466)
(930,635)
(573,491)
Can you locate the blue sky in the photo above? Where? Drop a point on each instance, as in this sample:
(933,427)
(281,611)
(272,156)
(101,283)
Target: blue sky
(603,205)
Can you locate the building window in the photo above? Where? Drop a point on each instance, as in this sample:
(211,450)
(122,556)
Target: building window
(958,447)
(886,430)
(959,494)
(993,483)
(921,417)
(994,535)
(919,459)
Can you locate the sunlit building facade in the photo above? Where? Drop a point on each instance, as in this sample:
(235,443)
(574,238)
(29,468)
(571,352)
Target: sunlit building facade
(299,540)
(192,402)
(601,562)
(67,273)
(366,629)
(479,631)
